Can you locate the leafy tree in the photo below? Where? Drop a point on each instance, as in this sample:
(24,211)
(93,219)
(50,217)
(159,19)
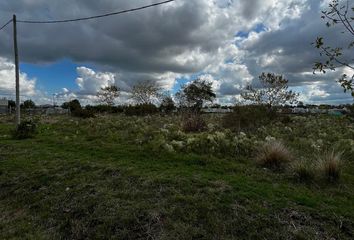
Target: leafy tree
(273,92)
(145,92)
(167,104)
(195,94)
(338,13)
(29,104)
(108,94)
(72,105)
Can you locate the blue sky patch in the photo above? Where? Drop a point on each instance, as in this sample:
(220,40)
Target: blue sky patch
(53,77)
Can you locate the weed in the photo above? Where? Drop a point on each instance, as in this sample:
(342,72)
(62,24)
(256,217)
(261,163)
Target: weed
(303,171)
(329,165)
(273,155)
(26,129)
(194,123)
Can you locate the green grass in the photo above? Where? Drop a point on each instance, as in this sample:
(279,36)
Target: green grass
(88,179)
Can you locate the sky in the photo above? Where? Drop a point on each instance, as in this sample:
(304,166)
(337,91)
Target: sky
(227,42)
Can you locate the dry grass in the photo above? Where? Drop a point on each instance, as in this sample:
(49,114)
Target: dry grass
(329,165)
(303,171)
(273,155)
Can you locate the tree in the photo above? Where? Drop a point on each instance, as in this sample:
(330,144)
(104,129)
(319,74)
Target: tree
(145,92)
(108,94)
(73,105)
(167,104)
(342,14)
(195,94)
(273,92)
(29,104)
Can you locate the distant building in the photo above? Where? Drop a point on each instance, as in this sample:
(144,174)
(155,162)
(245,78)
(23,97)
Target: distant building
(337,112)
(216,110)
(56,111)
(4,103)
(317,111)
(299,110)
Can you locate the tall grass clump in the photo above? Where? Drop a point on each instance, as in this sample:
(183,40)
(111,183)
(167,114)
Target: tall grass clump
(330,165)
(273,155)
(303,171)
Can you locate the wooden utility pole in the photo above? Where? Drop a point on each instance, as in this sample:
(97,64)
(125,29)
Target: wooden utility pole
(18,110)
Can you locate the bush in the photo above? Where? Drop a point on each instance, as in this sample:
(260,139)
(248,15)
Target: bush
(286,119)
(330,166)
(273,155)
(105,109)
(141,110)
(83,113)
(26,129)
(303,171)
(244,118)
(73,105)
(194,123)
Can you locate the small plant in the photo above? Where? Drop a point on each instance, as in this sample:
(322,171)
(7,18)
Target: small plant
(194,123)
(273,155)
(303,171)
(26,129)
(329,165)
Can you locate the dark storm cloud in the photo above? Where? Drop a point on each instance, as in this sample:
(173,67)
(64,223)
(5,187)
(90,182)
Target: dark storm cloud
(291,46)
(250,8)
(144,41)
(182,38)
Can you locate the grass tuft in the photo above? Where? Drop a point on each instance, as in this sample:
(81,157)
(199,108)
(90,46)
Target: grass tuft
(330,164)
(303,171)
(273,155)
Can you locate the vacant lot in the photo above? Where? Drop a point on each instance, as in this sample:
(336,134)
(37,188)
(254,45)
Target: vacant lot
(125,177)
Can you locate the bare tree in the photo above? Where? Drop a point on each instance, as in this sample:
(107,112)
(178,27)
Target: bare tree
(273,91)
(108,94)
(145,92)
(338,13)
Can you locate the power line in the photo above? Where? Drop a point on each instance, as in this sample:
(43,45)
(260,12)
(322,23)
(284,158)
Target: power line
(10,21)
(93,17)
(86,18)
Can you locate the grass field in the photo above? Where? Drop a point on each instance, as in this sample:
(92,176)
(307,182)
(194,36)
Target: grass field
(118,177)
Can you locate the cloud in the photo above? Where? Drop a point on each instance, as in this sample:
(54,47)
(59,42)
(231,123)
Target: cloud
(176,40)
(7,82)
(90,82)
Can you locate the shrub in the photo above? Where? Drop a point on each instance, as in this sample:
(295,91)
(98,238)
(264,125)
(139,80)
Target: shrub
(286,119)
(247,117)
(141,110)
(105,109)
(26,129)
(330,166)
(273,155)
(303,171)
(83,113)
(194,123)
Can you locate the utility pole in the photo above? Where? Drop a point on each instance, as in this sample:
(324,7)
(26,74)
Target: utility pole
(18,110)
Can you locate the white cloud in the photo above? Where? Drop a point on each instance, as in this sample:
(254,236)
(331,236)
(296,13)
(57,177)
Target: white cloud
(90,81)
(28,88)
